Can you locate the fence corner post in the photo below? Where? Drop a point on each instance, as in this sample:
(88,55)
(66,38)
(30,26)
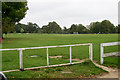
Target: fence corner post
(101,53)
(21,59)
(91,51)
(47,58)
(70,55)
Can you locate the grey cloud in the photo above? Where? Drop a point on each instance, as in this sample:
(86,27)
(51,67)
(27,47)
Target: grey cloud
(67,12)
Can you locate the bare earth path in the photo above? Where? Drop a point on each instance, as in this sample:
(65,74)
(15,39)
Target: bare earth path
(113,73)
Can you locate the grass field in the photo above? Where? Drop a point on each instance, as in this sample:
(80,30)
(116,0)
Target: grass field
(10,59)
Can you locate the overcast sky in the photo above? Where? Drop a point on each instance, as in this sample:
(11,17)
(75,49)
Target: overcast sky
(68,12)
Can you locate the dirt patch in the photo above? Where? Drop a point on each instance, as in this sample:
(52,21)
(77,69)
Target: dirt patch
(78,60)
(34,56)
(55,56)
(113,72)
(66,72)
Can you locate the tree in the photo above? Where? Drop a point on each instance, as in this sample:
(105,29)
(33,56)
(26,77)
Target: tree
(17,27)
(95,27)
(29,28)
(12,12)
(21,30)
(107,27)
(102,27)
(65,30)
(81,29)
(78,28)
(118,29)
(52,27)
(73,28)
(45,29)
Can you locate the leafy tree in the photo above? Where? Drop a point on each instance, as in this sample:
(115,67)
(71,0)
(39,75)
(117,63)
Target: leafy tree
(21,30)
(52,27)
(12,12)
(107,27)
(29,28)
(45,29)
(73,28)
(95,27)
(17,28)
(78,28)
(81,29)
(65,30)
(102,27)
(118,29)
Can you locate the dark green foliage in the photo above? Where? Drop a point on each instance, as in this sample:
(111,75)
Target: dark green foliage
(118,29)
(107,27)
(12,12)
(78,28)
(73,28)
(65,30)
(29,28)
(81,29)
(52,27)
(102,27)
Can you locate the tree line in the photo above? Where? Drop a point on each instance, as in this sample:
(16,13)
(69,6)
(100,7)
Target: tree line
(13,12)
(104,27)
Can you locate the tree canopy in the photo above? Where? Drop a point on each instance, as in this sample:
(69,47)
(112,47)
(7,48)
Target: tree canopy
(52,27)
(102,27)
(29,28)
(78,28)
(12,12)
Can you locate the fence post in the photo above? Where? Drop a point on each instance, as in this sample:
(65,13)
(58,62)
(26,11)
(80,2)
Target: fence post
(70,55)
(101,50)
(47,58)
(21,60)
(90,52)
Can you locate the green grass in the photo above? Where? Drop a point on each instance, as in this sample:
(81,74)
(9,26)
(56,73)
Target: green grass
(77,71)
(10,58)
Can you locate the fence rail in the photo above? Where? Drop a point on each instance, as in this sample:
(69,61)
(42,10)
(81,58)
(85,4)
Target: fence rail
(47,48)
(107,54)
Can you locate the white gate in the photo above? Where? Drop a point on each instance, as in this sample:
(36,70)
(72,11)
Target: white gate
(47,47)
(108,54)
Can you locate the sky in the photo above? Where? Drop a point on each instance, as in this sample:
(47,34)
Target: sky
(119,13)
(68,12)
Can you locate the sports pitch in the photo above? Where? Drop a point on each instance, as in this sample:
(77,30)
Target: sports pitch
(10,59)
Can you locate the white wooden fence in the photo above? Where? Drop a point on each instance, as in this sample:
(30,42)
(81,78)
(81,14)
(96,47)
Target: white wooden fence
(47,47)
(107,54)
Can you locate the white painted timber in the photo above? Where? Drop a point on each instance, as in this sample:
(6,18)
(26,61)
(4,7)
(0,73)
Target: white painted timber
(47,47)
(47,58)
(102,55)
(111,54)
(70,55)
(90,52)
(111,44)
(44,47)
(21,59)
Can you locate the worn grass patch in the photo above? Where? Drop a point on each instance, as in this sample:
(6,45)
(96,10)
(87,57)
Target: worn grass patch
(86,69)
